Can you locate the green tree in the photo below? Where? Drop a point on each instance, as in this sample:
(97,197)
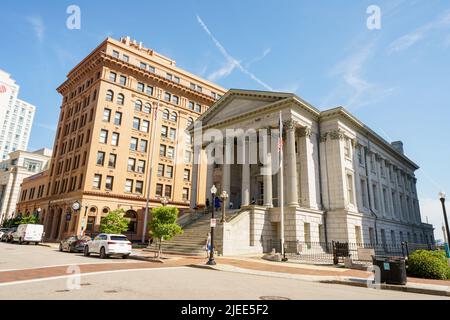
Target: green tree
(114,222)
(163,225)
(31,219)
(11,223)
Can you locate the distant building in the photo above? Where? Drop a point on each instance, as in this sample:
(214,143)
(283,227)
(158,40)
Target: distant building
(20,165)
(16,117)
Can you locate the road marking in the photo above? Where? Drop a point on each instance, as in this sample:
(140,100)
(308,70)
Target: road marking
(86,274)
(72,264)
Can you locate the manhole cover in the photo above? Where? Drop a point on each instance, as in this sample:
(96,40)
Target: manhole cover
(111,291)
(273,298)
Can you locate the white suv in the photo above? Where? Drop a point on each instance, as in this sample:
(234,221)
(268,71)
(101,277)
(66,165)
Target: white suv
(107,245)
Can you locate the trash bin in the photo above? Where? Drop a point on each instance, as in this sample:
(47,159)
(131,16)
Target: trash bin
(393,269)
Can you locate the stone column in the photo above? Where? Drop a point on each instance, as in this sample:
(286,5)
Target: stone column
(194,185)
(226,181)
(291,164)
(209,179)
(308,172)
(246,176)
(268,194)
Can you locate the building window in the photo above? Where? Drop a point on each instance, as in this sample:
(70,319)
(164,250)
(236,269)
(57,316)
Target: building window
(109,183)
(115,54)
(109,95)
(160,170)
(147,108)
(115,139)
(187,175)
(166,114)
(169,172)
(350,196)
(371,236)
(164,130)
(149,91)
(169,76)
(170,152)
(192,86)
(133,144)
(103,136)
(128,186)
(375,196)
(123,80)
(176,79)
(360,156)
(145,126)
(187,157)
(143,65)
(347,148)
(136,123)
(173,133)
(174,116)
(185,194)
(198,108)
(167,97)
(139,187)
(190,122)
(162,150)
(175,100)
(112,161)
(131,164)
(151,69)
(168,191)
(159,190)
(126,58)
(112,76)
(118,118)
(191,105)
(143,146)
(138,105)
(140,87)
(141,166)
(364,193)
(97,181)
(120,99)
(106,115)
(100,158)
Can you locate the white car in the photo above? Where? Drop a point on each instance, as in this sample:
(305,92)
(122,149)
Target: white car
(107,245)
(28,233)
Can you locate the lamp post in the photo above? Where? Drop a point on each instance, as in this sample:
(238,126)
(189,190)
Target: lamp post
(211,261)
(224,196)
(164,201)
(442,197)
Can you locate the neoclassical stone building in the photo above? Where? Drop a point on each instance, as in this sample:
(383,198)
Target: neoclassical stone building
(342,181)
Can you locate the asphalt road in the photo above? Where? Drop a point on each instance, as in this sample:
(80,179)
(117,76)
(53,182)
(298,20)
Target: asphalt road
(184,283)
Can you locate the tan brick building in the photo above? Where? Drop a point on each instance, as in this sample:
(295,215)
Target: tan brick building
(107,138)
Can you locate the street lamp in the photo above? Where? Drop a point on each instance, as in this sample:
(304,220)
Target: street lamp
(211,260)
(442,197)
(164,201)
(224,196)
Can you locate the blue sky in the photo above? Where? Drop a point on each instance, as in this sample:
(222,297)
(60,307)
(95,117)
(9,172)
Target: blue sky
(396,79)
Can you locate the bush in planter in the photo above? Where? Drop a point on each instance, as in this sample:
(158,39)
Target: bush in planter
(429,265)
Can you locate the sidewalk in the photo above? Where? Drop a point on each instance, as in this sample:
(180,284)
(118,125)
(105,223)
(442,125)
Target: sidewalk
(325,274)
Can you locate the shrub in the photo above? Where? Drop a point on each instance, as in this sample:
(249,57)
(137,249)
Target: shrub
(429,265)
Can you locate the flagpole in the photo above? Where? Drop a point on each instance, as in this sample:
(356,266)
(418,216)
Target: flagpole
(150,164)
(281,187)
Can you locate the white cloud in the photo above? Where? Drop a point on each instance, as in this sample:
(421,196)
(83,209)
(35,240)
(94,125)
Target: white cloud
(259,58)
(353,90)
(225,71)
(410,39)
(38,26)
(230,60)
(432,209)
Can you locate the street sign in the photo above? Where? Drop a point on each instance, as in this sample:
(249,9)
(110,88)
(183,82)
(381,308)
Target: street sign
(213,223)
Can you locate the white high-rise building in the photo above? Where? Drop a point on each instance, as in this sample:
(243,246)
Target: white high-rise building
(16,117)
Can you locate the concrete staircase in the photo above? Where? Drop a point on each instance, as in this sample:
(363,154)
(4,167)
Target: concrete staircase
(193,240)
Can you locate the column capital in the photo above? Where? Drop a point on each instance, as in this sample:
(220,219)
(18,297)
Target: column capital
(323,137)
(305,132)
(337,134)
(290,124)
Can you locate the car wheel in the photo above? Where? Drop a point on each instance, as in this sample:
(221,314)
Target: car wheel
(71,249)
(36,243)
(103,253)
(20,241)
(60,247)
(86,251)
(126,256)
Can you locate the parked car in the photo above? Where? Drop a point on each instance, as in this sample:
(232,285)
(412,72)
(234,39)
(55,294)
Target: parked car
(27,233)
(107,245)
(3,231)
(7,236)
(73,243)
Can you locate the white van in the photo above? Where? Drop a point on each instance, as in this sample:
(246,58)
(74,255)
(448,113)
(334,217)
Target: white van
(28,233)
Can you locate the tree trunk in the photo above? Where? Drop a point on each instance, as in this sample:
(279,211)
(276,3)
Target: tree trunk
(159,249)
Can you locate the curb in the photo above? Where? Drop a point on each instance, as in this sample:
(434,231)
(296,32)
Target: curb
(146,259)
(383,286)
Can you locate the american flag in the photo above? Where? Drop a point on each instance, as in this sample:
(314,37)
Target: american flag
(156,113)
(2,89)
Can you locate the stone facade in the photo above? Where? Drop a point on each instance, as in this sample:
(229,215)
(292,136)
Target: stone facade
(342,181)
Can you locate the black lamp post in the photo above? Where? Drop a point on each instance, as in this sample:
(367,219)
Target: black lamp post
(211,260)
(442,197)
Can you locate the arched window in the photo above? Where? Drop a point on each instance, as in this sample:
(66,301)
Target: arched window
(166,114)
(105,210)
(174,116)
(132,225)
(147,108)
(109,95)
(138,105)
(120,99)
(190,121)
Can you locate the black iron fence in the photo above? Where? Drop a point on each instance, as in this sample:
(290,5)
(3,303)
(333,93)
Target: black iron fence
(335,252)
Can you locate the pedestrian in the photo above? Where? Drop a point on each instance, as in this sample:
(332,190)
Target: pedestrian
(217,203)
(208,244)
(208,204)
(231,205)
(253,201)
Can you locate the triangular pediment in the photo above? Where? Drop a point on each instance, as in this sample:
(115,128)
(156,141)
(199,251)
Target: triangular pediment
(239,102)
